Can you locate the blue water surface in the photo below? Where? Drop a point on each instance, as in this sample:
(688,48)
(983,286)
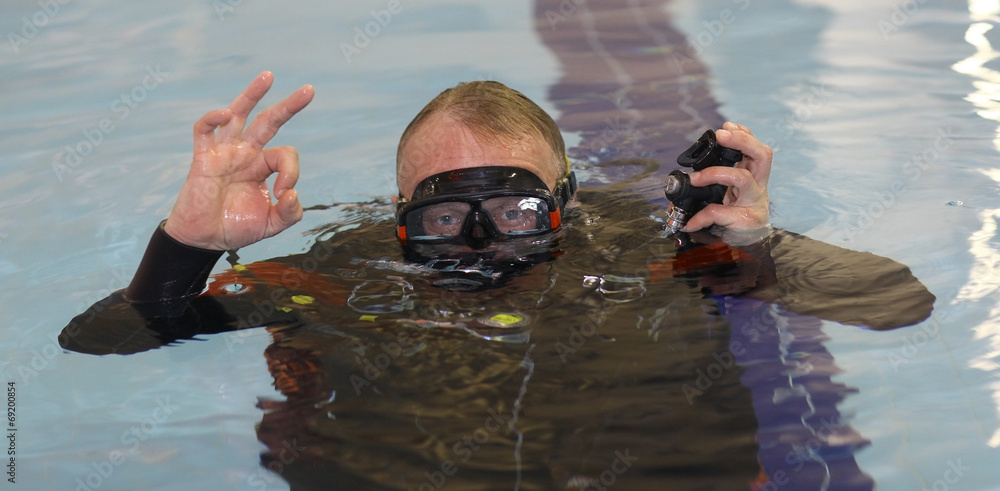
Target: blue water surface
(883,115)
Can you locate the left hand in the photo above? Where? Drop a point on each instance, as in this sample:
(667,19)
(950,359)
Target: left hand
(225,204)
(745,207)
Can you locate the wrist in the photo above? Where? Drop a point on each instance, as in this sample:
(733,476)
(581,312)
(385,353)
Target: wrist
(177,233)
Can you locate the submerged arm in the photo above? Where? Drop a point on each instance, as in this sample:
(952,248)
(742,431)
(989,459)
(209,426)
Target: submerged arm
(164,303)
(814,278)
(224,204)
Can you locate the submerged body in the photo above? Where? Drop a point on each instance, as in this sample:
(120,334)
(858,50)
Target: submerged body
(622,353)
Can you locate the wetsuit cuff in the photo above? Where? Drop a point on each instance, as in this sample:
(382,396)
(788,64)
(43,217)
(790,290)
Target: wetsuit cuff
(170,274)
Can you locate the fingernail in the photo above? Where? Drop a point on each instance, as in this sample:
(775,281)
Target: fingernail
(722,133)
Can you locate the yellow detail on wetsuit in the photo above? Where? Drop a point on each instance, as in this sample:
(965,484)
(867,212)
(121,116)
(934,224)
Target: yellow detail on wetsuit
(507,319)
(303,299)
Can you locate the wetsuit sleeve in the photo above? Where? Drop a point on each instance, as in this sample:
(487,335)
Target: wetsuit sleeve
(170,275)
(814,278)
(160,305)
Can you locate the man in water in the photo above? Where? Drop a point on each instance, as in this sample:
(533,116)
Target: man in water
(224,204)
(482,177)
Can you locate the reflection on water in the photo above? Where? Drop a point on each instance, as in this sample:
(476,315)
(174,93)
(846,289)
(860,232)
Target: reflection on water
(985,274)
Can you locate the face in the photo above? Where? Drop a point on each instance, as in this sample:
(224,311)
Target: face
(443,144)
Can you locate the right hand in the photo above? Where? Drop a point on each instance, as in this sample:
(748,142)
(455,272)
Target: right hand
(225,204)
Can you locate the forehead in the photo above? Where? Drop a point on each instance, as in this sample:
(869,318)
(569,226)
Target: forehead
(443,144)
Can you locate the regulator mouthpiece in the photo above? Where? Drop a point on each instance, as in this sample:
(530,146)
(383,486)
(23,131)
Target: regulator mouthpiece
(707,152)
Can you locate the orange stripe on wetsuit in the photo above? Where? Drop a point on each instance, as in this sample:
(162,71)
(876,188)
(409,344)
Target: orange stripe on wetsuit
(271,274)
(696,258)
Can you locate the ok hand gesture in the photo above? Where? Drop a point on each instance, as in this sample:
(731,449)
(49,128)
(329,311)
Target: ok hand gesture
(225,203)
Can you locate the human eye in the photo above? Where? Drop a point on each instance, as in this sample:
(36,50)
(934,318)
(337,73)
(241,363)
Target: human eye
(443,219)
(514,214)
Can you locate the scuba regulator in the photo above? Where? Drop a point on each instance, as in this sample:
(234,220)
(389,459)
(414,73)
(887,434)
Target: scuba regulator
(685,199)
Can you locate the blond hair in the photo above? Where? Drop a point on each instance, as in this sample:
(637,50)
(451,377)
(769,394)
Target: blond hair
(493,112)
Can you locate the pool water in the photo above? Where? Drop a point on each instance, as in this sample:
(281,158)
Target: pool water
(883,118)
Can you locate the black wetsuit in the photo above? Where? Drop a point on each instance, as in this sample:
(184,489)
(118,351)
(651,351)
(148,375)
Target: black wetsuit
(619,350)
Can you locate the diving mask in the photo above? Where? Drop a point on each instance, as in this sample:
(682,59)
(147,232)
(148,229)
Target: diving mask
(481,205)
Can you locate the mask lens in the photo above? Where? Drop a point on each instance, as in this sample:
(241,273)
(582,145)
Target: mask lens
(512,215)
(439,220)
(518,215)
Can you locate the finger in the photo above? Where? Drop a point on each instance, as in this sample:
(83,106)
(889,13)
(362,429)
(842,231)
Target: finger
(204,128)
(285,213)
(745,142)
(743,180)
(244,103)
(731,126)
(284,161)
(267,123)
(756,155)
(721,215)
